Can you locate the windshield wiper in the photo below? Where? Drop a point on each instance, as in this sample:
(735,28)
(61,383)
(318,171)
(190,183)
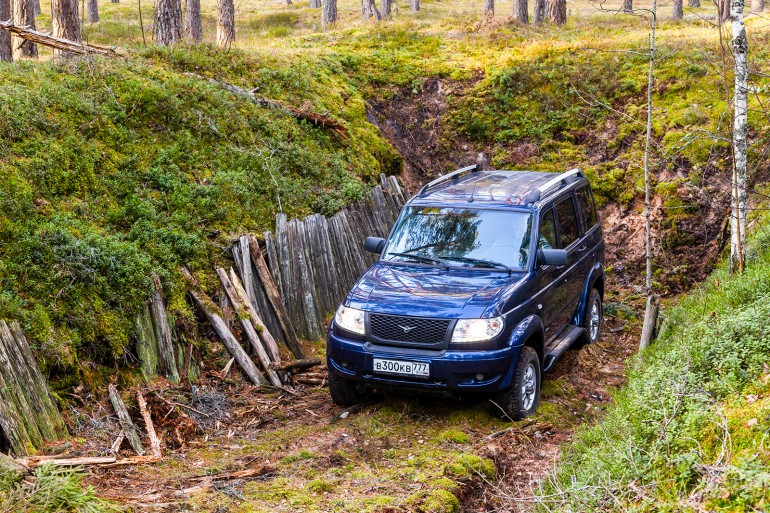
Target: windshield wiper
(480,261)
(420,258)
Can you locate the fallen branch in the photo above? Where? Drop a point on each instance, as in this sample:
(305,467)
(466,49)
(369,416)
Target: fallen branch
(151,434)
(296,365)
(209,483)
(350,411)
(125,420)
(60,43)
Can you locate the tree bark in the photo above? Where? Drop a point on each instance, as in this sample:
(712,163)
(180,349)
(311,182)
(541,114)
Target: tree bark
(740,120)
(225,23)
(315,4)
(628,6)
(193,26)
(93,11)
(162,330)
(678,10)
(36,7)
(385,9)
(368,9)
(489,7)
(539,11)
(24,14)
(520,11)
(693,3)
(651,309)
(168,21)
(723,11)
(329,12)
(151,434)
(129,429)
(6,48)
(414,5)
(557,11)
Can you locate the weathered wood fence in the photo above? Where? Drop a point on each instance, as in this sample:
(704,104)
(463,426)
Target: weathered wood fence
(29,417)
(314,262)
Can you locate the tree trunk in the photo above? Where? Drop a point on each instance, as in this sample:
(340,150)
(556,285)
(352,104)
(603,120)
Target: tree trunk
(36,7)
(740,158)
(678,10)
(93,11)
(315,4)
(129,429)
(649,314)
(193,27)
(24,14)
(489,7)
(385,9)
(225,23)
(539,11)
(757,5)
(6,48)
(368,9)
(65,23)
(329,12)
(168,21)
(557,11)
(414,5)
(628,6)
(693,3)
(520,11)
(723,11)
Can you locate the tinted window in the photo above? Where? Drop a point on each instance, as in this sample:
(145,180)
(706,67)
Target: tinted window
(547,239)
(568,223)
(587,208)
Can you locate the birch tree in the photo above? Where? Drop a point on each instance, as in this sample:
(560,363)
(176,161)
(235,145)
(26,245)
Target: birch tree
(24,14)
(65,22)
(193,27)
(520,11)
(168,21)
(6,50)
(225,23)
(740,118)
(651,308)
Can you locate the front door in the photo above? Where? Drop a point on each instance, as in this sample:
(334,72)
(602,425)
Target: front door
(575,272)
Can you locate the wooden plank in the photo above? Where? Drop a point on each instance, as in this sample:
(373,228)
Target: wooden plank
(125,420)
(317,266)
(168,365)
(248,321)
(307,280)
(287,256)
(271,291)
(271,256)
(205,304)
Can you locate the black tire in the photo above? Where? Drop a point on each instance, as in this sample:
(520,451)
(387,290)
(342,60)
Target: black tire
(345,392)
(521,399)
(593,325)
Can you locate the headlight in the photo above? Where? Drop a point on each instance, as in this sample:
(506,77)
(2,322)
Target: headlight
(350,319)
(477,330)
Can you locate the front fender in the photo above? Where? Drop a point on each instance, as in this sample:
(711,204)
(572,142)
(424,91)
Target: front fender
(524,330)
(596,272)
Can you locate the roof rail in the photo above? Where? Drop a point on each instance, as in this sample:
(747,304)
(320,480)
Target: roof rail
(453,175)
(560,179)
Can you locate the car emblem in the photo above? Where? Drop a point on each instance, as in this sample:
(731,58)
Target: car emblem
(406,329)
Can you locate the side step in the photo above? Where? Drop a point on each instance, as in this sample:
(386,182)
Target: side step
(560,345)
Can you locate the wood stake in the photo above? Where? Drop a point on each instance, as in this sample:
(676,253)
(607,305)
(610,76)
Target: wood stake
(125,420)
(240,294)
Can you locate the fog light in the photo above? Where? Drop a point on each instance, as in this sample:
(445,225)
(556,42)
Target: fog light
(346,365)
(479,377)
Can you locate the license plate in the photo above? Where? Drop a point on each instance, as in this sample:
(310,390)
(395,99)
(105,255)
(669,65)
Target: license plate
(401,368)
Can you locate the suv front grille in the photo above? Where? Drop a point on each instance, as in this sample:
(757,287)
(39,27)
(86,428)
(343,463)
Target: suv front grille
(408,329)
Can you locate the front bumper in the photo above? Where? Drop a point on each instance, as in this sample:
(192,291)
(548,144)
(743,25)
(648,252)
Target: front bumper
(458,371)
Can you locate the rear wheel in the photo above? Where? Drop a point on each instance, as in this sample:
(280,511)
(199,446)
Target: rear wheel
(593,320)
(345,392)
(522,398)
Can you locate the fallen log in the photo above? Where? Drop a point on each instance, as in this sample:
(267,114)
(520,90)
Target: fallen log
(59,43)
(224,333)
(248,325)
(209,483)
(96,461)
(11,470)
(314,118)
(125,420)
(270,344)
(296,365)
(271,291)
(151,434)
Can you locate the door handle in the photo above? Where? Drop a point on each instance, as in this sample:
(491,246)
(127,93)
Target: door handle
(582,249)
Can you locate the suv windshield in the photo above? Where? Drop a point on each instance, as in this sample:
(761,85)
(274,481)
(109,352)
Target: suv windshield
(463,237)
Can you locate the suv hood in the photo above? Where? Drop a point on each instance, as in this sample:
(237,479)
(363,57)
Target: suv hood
(428,291)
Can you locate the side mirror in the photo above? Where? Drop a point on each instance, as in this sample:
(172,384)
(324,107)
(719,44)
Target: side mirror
(557,257)
(374,245)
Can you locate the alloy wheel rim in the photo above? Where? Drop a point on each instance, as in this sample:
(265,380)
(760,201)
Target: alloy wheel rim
(594,324)
(529,387)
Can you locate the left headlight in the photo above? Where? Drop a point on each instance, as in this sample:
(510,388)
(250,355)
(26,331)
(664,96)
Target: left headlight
(477,330)
(350,319)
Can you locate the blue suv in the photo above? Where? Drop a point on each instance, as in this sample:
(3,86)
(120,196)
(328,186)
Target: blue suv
(486,278)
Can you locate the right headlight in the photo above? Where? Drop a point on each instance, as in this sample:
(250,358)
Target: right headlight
(350,319)
(477,330)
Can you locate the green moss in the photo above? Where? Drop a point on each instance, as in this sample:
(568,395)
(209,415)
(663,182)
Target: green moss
(466,465)
(454,435)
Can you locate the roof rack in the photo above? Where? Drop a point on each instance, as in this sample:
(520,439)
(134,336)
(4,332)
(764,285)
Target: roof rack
(558,180)
(454,175)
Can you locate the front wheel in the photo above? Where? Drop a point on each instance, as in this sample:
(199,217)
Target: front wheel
(345,392)
(521,399)
(593,321)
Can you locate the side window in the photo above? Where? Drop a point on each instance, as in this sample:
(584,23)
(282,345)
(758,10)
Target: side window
(587,209)
(547,237)
(568,223)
